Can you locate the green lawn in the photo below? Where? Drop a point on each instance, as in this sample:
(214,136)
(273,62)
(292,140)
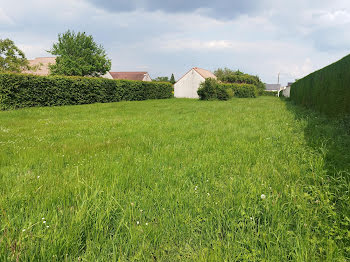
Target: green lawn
(172,180)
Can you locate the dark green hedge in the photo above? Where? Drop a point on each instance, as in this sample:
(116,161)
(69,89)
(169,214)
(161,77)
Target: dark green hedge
(270,93)
(326,90)
(242,90)
(211,89)
(22,90)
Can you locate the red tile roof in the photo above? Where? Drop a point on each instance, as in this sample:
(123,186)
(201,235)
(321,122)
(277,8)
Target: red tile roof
(43,63)
(128,75)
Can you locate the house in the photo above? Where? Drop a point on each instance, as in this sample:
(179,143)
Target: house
(273,87)
(188,85)
(41,64)
(141,76)
(286,90)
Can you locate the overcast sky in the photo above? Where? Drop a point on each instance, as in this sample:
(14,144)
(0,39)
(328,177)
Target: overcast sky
(260,37)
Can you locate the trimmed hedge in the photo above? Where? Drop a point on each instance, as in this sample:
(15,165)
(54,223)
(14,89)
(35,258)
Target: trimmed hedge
(23,90)
(326,90)
(211,89)
(270,93)
(242,90)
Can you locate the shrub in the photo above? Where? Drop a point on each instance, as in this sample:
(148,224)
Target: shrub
(21,90)
(242,90)
(270,93)
(326,90)
(237,77)
(211,89)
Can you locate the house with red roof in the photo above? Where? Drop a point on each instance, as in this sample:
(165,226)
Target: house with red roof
(141,76)
(187,86)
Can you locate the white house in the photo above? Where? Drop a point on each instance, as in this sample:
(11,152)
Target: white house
(188,85)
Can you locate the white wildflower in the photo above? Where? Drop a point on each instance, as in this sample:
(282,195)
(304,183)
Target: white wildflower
(38,177)
(23,230)
(43,218)
(138,222)
(44,221)
(263,196)
(47,226)
(196,187)
(146,224)
(208,194)
(251,218)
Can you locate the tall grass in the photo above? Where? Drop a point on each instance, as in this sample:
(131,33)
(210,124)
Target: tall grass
(173,180)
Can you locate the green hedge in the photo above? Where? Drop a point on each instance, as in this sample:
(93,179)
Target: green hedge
(22,90)
(242,90)
(211,89)
(270,93)
(326,90)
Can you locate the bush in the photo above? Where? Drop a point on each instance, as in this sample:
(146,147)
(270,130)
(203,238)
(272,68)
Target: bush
(211,89)
(270,93)
(22,90)
(326,90)
(237,77)
(242,90)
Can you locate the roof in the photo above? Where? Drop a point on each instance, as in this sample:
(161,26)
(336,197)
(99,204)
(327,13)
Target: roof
(43,63)
(204,73)
(128,75)
(272,87)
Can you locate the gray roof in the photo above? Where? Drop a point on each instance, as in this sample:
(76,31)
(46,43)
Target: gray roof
(272,87)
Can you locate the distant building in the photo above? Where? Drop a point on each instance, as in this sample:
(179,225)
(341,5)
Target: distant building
(141,76)
(42,65)
(188,85)
(273,87)
(286,90)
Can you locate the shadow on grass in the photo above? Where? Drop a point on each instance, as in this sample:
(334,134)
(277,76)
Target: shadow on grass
(331,138)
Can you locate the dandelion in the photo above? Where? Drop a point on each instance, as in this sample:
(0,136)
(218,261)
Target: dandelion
(263,196)
(138,222)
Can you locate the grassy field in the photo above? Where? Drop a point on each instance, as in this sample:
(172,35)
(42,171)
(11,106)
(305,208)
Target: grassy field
(174,180)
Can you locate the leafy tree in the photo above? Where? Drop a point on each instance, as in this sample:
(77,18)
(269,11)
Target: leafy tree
(161,79)
(78,55)
(12,59)
(230,76)
(172,79)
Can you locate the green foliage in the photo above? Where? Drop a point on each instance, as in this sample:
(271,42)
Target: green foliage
(78,55)
(270,93)
(211,89)
(161,79)
(326,90)
(20,90)
(172,79)
(241,90)
(12,59)
(230,76)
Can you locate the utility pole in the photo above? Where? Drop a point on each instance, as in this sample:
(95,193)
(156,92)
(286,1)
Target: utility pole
(278,78)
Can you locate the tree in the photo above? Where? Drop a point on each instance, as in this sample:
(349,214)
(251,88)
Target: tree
(230,76)
(12,59)
(172,79)
(161,79)
(78,55)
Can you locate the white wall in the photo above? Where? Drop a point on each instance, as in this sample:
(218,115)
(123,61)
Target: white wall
(147,78)
(286,92)
(188,85)
(107,75)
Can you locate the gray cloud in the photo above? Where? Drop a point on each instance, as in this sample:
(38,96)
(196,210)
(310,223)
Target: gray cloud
(221,9)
